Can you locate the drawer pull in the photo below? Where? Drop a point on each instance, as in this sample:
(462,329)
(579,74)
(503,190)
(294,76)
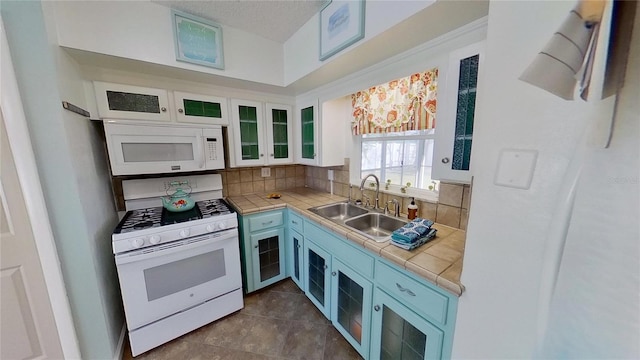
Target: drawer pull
(295,222)
(267,223)
(405,290)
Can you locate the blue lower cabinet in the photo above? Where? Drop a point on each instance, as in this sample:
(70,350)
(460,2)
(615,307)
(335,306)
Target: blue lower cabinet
(263,249)
(351,296)
(317,277)
(295,257)
(400,334)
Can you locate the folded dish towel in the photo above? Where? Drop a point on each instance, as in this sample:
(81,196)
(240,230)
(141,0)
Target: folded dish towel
(421,241)
(412,231)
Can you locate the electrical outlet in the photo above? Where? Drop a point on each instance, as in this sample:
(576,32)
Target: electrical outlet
(266,172)
(330,174)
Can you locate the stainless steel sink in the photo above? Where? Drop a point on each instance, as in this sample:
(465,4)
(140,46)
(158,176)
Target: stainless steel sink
(339,212)
(375,225)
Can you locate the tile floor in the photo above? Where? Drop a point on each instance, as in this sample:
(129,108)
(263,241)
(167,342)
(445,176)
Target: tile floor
(277,322)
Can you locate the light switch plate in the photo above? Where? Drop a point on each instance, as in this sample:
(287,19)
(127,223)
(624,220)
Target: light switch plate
(515,168)
(265,172)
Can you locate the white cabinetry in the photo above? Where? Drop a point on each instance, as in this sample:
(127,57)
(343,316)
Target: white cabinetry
(118,101)
(456,113)
(320,131)
(202,109)
(260,140)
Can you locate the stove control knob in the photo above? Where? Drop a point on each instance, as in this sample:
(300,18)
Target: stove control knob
(210,228)
(222,225)
(184,233)
(137,242)
(154,239)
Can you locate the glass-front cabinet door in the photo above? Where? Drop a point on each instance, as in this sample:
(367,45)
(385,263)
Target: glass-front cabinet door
(279,134)
(268,257)
(307,128)
(118,101)
(457,114)
(295,244)
(248,132)
(351,296)
(202,109)
(318,278)
(400,334)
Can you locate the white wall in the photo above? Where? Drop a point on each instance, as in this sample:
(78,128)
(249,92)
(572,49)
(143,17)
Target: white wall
(302,50)
(508,228)
(142,30)
(72,169)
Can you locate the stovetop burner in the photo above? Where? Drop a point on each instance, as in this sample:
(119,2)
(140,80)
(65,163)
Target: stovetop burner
(158,216)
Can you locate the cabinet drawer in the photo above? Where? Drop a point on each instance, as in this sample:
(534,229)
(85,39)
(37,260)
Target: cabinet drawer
(265,221)
(295,222)
(415,295)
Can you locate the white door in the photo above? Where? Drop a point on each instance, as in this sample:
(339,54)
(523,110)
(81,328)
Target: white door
(28,328)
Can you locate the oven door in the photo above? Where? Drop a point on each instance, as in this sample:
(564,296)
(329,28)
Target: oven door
(160,281)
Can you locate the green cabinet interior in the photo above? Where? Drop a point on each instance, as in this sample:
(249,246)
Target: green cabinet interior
(280,127)
(249,132)
(307,128)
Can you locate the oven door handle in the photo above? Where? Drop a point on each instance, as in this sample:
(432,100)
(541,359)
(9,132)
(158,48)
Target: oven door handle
(174,247)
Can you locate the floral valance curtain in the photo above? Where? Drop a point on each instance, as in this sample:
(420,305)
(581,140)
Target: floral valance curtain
(405,104)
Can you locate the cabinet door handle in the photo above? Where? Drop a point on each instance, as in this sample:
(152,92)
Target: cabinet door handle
(180,111)
(376,308)
(298,246)
(255,246)
(445,160)
(267,223)
(261,155)
(163,109)
(333,273)
(294,222)
(271,155)
(325,267)
(405,290)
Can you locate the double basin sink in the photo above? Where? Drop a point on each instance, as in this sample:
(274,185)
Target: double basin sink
(368,222)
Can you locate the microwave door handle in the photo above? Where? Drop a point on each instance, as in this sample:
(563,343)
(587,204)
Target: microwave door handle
(201,150)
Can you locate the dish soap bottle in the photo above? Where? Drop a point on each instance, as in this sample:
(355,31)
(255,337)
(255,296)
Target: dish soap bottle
(412,210)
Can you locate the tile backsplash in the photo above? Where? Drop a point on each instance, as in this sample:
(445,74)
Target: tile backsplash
(452,208)
(240,181)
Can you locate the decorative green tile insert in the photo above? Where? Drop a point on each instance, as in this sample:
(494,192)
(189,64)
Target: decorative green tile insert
(248,132)
(465,113)
(202,108)
(308,148)
(280,135)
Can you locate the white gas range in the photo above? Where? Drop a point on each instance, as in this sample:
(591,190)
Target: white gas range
(178,271)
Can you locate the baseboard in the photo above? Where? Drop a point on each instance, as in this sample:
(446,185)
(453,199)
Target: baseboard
(118,354)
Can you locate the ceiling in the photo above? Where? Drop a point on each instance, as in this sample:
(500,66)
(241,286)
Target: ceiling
(276,20)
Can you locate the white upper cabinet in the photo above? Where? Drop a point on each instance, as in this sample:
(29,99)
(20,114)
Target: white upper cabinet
(117,101)
(279,135)
(456,114)
(201,109)
(320,132)
(260,139)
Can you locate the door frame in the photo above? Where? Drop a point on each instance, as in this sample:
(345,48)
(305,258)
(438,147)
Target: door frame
(20,143)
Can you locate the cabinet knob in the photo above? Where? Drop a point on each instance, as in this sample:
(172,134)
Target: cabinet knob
(163,109)
(376,308)
(180,111)
(271,155)
(255,246)
(333,273)
(261,155)
(445,160)
(325,267)
(314,156)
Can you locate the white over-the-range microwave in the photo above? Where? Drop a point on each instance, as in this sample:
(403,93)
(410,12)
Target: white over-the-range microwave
(142,148)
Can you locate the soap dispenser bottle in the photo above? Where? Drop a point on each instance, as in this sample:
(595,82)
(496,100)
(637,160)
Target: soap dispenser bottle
(412,210)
